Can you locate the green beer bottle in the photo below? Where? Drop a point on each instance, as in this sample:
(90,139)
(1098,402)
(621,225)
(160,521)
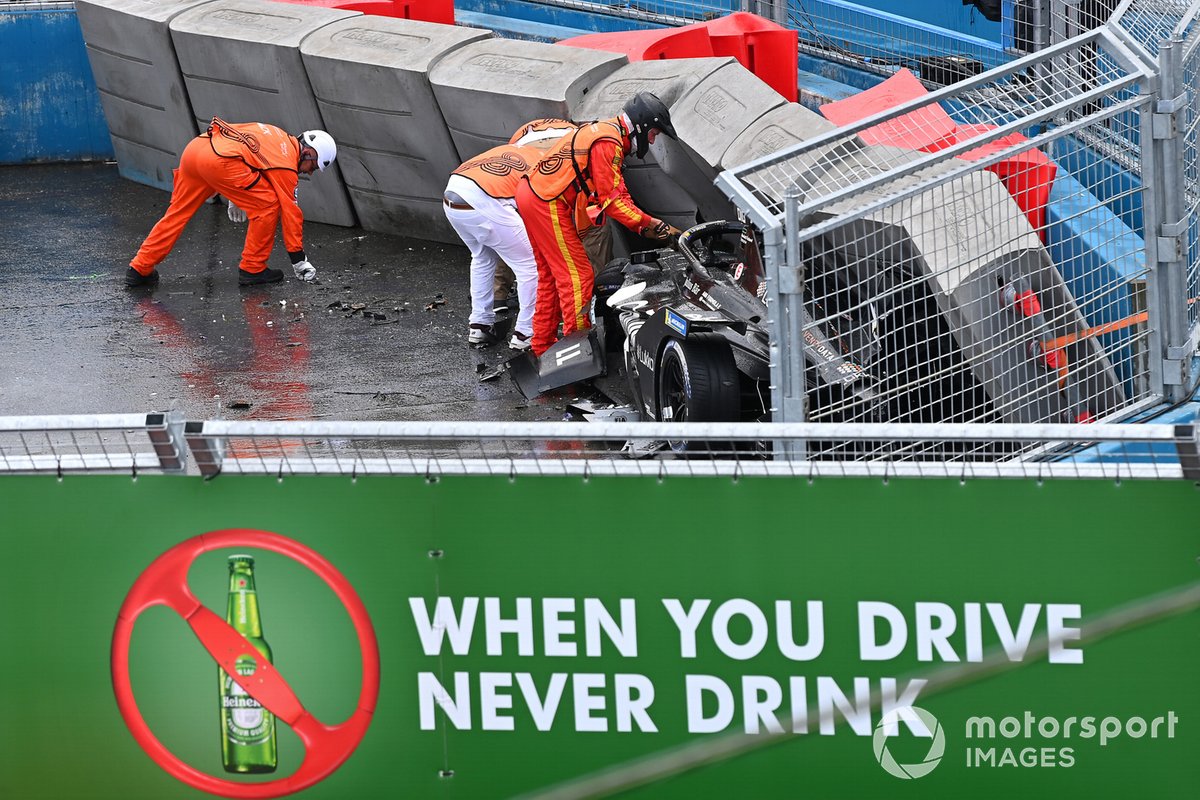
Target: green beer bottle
(247,729)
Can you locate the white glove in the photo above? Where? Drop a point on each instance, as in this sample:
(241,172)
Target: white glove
(305,271)
(235,214)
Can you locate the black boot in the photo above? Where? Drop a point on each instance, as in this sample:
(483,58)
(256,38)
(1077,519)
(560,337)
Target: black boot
(268,275)
(135,278)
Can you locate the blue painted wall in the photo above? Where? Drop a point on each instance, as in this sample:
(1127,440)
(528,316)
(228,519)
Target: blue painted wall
(49,106)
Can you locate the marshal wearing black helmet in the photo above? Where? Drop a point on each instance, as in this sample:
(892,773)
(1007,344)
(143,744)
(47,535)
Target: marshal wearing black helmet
(646,112)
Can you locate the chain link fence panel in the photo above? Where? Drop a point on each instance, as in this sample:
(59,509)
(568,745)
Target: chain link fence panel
(969,256)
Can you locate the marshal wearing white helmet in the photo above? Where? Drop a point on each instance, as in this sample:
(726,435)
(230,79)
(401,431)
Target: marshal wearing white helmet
(256,167)
(324,146)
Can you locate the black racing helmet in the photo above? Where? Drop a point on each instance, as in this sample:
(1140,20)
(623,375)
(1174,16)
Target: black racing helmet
(646,111)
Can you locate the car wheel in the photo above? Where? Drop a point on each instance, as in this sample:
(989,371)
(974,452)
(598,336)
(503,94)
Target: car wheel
(698,382)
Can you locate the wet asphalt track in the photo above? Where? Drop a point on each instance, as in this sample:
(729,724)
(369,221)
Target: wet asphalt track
(77,341)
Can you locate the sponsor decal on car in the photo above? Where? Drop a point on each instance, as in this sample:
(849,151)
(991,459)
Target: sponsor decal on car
(677,323)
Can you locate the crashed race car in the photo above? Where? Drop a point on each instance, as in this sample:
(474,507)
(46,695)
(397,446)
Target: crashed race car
(686,328)
(896,334)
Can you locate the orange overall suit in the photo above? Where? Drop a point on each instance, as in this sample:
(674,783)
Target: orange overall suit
(583,168)
(254,166)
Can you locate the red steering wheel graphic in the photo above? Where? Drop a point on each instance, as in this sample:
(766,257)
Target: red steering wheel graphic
(164,582)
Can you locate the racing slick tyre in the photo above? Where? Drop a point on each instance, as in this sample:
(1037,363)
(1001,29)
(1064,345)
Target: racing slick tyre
(698,382)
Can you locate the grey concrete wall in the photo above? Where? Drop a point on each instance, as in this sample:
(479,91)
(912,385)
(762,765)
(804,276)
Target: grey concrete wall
(141,88)
(717,110)
(488,89)
(370,76)
(780,128)
(241,61)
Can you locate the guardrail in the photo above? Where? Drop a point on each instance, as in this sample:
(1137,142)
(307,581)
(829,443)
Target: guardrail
(140,443)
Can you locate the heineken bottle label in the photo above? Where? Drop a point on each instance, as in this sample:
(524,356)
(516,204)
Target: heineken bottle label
(248,722)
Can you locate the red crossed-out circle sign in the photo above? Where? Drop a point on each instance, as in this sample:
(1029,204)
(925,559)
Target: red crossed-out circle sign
(164,582)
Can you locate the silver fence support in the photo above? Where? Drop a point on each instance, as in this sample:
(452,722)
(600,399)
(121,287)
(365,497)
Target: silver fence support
(165,432)
(1187,445)
(770,9)
(207,451)
(1166,223)
(773,264)
(1039,24)
(791,294)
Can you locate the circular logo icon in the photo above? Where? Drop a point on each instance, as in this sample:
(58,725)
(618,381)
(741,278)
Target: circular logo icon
(917,717)
(326,747)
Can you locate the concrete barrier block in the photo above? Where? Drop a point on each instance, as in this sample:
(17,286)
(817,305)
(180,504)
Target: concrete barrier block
(370,76)
(780,128)
(968,240)
(676,197)
(488,89)
(241,61)
(141,89)
(717,110)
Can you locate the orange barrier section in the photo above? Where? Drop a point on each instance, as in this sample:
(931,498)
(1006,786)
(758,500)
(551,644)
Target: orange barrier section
(761,46)
(766,49)
(422,10)
(928,129)
(1028,176)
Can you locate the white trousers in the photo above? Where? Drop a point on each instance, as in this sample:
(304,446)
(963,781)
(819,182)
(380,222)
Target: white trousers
(491,233)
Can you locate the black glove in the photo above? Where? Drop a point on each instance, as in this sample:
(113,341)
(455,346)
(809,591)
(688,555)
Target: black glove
(663,232)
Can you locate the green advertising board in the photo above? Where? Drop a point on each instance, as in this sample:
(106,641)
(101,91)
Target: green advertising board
(536,630)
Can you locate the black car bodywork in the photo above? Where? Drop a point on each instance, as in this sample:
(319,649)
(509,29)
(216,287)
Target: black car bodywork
(688,328)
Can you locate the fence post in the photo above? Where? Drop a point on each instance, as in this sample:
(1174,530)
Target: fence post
(1166,229)
(787,292)
(774,10)
(1039,24)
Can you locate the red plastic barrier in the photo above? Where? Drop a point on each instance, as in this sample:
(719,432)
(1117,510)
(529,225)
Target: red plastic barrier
(422,10)
(761,46)
(1028,176)
(928,129)
(686,42)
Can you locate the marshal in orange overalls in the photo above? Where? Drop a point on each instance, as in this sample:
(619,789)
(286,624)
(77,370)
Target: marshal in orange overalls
(584,167)
(254,166)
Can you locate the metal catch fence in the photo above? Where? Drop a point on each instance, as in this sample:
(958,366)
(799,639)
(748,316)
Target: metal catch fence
(148,443)
(857,36)
(1091,349)
(881,43)
(969,256)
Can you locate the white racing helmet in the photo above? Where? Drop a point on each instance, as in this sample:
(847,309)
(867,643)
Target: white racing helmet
(323,143)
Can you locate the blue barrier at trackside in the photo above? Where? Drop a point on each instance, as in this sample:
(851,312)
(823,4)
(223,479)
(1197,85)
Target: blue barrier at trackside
(49,106)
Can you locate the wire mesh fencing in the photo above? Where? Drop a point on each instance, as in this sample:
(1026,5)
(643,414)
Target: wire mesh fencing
(128,443)
(970,256)
(860,37)
(135,444)
(1148,22)
(874,41)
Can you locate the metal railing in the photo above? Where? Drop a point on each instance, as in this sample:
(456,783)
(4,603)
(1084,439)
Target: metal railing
(129,443)
(968,252)
(140,443)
